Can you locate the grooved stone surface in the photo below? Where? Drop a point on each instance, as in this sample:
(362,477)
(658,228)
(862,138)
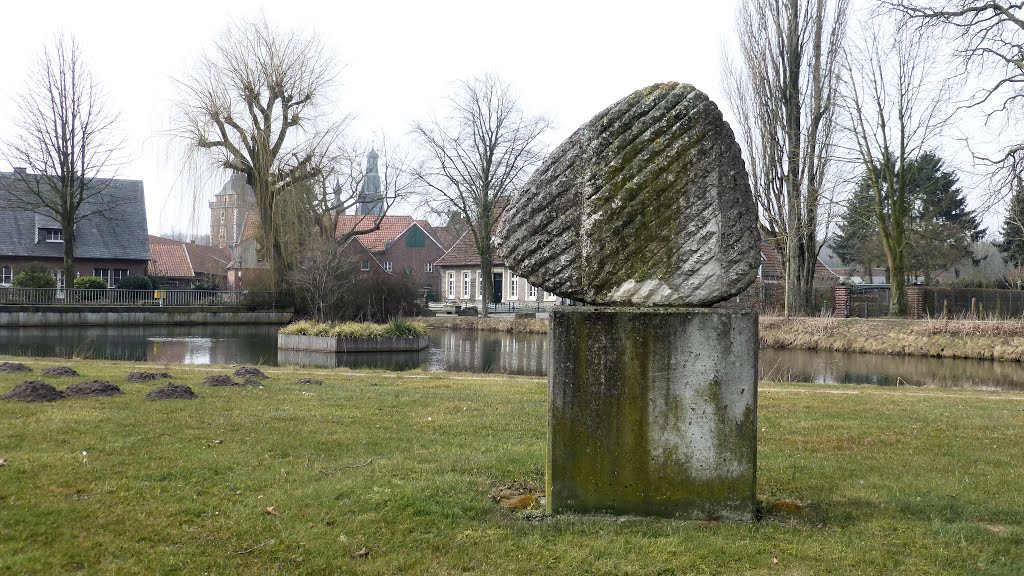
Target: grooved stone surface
(646,204)
(653,411)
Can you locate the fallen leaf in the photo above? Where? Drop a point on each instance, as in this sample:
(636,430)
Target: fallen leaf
(775,560)
(270,510)
(363,553)
(3,461)
(218,441)
(519,502)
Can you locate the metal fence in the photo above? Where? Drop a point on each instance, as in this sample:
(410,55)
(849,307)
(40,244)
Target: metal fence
(117,297)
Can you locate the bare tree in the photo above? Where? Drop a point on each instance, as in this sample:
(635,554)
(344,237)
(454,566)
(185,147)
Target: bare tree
(66,139)
(478,157)
(782,90)
(894,102)
(988,39)
(257,104)
(323,276)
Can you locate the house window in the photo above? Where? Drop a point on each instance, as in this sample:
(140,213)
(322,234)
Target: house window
(513,288)
(112,276)
(6,275)
(466,279)
(364,265)
(51,234)
(451,284)
(428,267)
(479,286)
(387,266)
(532,293)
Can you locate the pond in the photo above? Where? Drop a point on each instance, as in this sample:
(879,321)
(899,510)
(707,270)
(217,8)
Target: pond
(472,351)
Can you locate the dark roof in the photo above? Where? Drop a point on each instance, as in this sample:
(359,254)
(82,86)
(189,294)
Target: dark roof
(771,265)
(119,234)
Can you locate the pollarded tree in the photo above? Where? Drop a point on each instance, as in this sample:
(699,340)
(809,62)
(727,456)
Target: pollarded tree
(257,104)
(66,138)
(782,90)
(477,157)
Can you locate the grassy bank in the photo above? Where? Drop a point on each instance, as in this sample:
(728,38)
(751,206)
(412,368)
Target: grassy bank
(991,340)
(985,340)
(526,326)
(297,479)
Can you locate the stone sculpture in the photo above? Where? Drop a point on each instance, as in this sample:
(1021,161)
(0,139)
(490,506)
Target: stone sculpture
(646,204)
(646,208)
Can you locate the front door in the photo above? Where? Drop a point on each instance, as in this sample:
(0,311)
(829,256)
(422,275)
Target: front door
(497,287)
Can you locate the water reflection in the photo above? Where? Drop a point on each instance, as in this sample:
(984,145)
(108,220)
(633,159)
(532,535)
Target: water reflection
(471,351)
(245,344)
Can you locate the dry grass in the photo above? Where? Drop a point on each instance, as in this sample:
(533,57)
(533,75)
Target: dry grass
(1002,340)
(523,326)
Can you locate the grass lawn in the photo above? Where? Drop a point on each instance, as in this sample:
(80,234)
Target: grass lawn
(854,480)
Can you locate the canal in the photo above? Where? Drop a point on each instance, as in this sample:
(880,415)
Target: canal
(472,351)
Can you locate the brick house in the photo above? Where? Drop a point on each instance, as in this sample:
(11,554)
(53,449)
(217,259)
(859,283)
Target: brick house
(111,245)
(462,282)
(402,245)
(182,265)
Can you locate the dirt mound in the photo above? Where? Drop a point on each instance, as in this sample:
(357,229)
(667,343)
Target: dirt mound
(248,372)
(172,391)
(14,367)
(252,382)
(59,371)
(310,381)
(93,389)
(33,391)
(220,380)
(144,376)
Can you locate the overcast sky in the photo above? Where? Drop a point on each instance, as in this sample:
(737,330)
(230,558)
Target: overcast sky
(565,59)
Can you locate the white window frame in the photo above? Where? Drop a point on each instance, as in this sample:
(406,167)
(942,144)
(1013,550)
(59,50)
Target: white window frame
(428,267)
(55,235)
(513,287)
(479,285)
(102,274)
(451,285)
(118,274)
(549,297)
(467,277)
(532,292)
(388,266)
(6,274)
(364,265)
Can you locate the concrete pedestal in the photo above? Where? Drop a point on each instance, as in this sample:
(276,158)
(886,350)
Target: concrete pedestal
(653,411)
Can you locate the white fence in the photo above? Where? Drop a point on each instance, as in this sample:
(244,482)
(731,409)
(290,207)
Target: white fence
(117,297)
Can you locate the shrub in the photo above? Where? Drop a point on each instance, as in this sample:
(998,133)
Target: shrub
(89,283)
(398,328)
(134,283)
(34,277)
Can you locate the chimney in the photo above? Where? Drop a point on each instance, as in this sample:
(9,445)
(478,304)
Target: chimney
(19,171)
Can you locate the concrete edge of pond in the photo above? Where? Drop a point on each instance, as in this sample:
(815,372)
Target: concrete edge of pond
(333,344)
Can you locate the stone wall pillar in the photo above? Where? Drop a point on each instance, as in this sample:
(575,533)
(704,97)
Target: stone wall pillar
(842,306)
(653,411)
(915,302)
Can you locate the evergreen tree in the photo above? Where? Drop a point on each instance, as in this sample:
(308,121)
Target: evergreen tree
(939,231)
(1012,231)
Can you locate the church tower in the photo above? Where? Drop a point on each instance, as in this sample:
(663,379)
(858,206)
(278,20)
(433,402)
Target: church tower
(228,211)
(371,201)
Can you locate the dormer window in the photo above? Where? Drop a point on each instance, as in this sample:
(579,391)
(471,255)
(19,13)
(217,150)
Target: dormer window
(51,234)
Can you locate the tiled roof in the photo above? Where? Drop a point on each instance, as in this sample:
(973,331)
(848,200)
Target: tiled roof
(391,227)
(175,258)
(771,264)
(120,233)
(251,226)
(464,253)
